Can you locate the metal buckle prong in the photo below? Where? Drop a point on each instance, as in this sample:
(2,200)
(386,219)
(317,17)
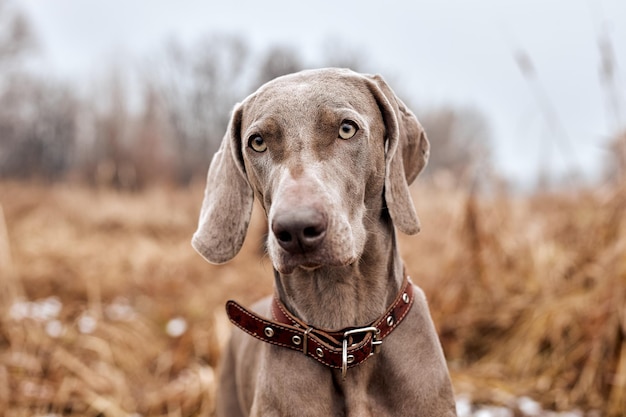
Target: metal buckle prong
(344,352)
(305,340)
(376,344)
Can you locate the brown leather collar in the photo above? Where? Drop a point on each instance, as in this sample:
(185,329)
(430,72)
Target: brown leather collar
(340,349)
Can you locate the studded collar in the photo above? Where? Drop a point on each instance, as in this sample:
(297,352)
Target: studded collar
(341,349)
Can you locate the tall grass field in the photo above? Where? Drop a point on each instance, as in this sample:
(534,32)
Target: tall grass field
(106,310)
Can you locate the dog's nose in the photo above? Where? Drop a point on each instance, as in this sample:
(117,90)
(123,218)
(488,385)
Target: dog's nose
(299,231)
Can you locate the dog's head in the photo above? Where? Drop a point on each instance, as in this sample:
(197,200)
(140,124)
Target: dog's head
(323,151)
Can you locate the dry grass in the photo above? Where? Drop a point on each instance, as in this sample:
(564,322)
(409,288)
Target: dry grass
(529,296)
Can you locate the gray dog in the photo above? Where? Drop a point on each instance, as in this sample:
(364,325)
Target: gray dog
(330,155)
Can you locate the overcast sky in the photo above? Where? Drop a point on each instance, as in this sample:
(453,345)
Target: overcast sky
(440,51)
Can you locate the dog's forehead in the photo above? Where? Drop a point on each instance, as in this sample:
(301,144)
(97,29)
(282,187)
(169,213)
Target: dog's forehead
(306,93)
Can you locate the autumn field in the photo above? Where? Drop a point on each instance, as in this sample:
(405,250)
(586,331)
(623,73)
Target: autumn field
(106,310)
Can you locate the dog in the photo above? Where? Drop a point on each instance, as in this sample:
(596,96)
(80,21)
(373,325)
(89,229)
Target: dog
(330,155)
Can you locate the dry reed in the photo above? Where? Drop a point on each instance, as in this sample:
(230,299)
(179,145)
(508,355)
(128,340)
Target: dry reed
(107,311)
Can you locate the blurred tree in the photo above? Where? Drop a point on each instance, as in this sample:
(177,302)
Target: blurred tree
(338,54)
(460,143)
(198,87)
(37,123)
(37,126)
(281,60)
(151,151)
(126,139)
(16,36)
(110,160)
(277,61)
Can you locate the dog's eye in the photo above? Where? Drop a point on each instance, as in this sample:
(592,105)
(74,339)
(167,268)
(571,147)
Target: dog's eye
(347,129)
(257,143)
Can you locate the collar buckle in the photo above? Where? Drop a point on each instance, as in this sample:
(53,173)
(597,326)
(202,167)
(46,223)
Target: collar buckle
(347,359)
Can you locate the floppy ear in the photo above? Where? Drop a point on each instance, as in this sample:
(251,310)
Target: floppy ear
(407,153)
(228,199)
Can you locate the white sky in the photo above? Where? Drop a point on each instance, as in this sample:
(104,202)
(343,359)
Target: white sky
(434,51)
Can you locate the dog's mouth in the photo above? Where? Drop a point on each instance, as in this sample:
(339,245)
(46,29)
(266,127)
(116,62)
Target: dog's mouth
(310,266)
(288,263)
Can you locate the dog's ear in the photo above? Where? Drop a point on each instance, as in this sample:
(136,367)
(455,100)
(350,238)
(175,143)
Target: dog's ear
(407,152)
(228,200)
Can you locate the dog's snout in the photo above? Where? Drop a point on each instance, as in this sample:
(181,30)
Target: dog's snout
(299,230)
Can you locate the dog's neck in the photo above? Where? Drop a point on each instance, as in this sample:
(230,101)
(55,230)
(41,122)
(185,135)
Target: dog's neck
(352,295)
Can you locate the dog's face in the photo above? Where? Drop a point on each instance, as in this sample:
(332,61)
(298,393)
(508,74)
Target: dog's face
(314,154)
(322,151)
